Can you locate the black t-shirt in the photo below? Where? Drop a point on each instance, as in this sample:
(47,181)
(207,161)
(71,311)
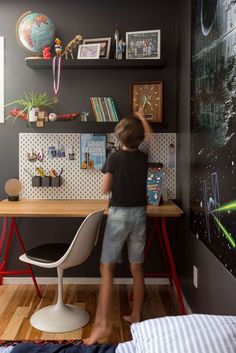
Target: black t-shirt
(129,170)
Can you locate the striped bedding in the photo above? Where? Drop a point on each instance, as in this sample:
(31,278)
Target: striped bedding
(196,333)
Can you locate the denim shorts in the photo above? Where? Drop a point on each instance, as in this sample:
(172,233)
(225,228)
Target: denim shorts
(124,224)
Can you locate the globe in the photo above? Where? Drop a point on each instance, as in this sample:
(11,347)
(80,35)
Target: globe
(34,31)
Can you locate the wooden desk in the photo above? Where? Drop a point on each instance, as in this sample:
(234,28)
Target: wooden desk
(81,208)
(73,208)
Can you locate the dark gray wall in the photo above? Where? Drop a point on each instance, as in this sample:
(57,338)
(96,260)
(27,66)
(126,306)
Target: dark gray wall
(217,287)
(90,19)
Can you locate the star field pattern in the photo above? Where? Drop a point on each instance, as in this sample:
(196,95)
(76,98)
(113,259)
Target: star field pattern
(213,127)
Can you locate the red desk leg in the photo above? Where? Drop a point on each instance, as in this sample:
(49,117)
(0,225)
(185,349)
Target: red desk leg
(172,266)
(3,264)
(155,231)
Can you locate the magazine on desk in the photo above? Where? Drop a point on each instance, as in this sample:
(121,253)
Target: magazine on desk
(92,151)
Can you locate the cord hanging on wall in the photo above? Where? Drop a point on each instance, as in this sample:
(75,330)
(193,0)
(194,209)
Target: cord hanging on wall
(56,70)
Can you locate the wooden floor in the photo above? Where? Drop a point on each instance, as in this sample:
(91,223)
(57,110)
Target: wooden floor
(18,302)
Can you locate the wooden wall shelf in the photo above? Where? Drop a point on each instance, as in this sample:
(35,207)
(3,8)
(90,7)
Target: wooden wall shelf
(83,64)
(88,126)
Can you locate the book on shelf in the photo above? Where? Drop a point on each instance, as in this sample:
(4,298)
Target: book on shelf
(92,151)
(104,109)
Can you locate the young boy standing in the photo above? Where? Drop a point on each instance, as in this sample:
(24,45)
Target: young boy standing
(125,176)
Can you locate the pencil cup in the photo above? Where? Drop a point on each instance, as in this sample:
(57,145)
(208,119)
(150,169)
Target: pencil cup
(46,181)
(36,181)
(56,181)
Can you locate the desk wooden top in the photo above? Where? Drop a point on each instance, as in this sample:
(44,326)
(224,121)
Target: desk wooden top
(73,208)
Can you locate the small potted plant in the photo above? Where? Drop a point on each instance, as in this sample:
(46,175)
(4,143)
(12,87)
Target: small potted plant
(28,105)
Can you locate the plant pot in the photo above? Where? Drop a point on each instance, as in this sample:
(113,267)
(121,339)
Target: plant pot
(33,115)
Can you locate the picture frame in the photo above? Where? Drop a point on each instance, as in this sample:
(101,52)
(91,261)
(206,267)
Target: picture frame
(143,44)
(1,79)
(149,96)
(105,45)
(88,51)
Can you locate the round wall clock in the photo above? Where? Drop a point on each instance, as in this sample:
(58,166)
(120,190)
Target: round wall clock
(147,95)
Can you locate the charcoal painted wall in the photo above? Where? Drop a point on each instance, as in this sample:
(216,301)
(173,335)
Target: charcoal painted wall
(217,286)
(90,19)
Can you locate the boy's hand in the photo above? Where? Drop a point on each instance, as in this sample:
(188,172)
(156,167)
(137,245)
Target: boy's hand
(139,113)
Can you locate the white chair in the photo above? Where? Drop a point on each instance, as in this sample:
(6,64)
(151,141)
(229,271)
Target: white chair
(62,317)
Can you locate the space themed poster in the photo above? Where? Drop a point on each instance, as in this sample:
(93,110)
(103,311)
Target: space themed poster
(213,128)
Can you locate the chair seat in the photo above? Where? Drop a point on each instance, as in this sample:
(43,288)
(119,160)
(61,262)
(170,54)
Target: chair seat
(47,253)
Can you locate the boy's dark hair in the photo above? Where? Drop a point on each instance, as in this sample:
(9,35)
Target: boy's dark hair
(130,132)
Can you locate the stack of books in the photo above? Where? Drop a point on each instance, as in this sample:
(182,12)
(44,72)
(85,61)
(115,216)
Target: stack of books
(104,109)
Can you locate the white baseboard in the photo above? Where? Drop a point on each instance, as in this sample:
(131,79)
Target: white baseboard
(78,280)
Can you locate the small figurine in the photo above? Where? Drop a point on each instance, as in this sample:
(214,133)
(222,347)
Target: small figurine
(71,46)
(84,116)
(47,53)
(117,38)
(120,49)
(58,46)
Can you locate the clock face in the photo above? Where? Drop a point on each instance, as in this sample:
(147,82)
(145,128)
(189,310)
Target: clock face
(148,95)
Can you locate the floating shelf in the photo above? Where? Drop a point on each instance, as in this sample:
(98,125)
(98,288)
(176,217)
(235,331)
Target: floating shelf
(83,64)
(88,126)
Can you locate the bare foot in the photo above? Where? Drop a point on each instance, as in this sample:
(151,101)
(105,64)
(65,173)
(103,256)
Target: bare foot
(98,332)
(131,319)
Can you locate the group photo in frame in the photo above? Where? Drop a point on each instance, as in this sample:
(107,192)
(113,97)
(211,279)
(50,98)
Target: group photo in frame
(88,51)
(143,44)
(105,45)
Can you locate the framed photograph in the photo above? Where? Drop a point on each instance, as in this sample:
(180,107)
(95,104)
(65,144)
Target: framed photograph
(105,45)
(143,44)
(149,96)
(89,51)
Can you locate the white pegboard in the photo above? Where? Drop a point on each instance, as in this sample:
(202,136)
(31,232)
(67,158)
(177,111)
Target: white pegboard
(78,183)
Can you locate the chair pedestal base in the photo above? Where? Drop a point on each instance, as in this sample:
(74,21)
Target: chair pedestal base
(60,318)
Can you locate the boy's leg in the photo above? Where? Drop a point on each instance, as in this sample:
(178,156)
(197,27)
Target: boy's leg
(138,293)
(103,324)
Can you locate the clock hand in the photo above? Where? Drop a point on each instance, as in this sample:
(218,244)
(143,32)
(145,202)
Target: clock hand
(152,95)
(149,104)
(145,101)
(149,97)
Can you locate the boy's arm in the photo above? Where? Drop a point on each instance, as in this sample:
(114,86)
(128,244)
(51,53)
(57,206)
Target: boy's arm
(107,182)
(140,115)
